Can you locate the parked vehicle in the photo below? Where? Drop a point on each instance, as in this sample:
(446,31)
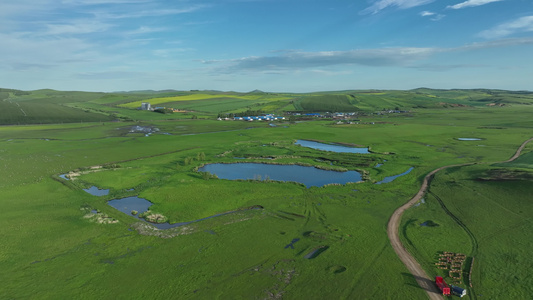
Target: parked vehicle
(458,291)
(442,285)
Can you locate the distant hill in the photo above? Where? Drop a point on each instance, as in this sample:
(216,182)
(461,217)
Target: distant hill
(145,92)
(51,106)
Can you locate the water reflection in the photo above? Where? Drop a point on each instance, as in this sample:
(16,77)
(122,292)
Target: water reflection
(309,176)
(332,148)
(95,191)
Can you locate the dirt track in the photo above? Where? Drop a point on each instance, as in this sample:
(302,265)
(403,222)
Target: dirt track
(424,281)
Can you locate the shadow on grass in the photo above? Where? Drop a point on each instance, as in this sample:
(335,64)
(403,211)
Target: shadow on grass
(422,283)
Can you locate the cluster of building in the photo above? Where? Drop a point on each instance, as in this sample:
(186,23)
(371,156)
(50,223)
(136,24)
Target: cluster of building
(147,106)
(269,117)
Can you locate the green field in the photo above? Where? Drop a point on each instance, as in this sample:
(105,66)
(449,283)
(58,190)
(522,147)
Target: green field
(491,222)
(52,248)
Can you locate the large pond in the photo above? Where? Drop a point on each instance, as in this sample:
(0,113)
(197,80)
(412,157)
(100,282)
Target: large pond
(332,148)
(129,204)
(309,176)
(391,178)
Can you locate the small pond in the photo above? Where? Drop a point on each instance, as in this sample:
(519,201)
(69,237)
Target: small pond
(429,223)
(309,176)
(64,176)
(391,178)
(96,191)
(332,148)
(469,139)
(127,205)
(380,164)
(316,252)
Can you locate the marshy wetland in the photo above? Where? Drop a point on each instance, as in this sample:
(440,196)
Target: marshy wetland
(269,236)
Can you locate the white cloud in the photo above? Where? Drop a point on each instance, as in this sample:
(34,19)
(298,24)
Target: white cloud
(150,12)
(471,3)
(77,27)
(383,57)
(18,50)
(303,60)
(523,24)
(443,68)
(168,53)
(110,75)
(330,73)
(496,44)
(99,2)
(401,4)
(147,29)
(434,16)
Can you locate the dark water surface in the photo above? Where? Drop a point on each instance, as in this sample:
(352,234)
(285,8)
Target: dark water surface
(391,178)
(96,191)
(309,176)
(332,148)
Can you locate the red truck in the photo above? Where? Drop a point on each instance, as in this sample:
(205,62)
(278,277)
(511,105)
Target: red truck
(443,287)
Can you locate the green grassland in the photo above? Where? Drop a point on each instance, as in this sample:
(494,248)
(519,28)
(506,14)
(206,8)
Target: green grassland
(49,106)
(491,222)
(325,103)
(52,249)
(34,112)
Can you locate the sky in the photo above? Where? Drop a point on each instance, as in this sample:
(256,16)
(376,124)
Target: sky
(269,45)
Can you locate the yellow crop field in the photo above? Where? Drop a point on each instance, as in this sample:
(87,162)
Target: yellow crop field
(193,97)
(157,101)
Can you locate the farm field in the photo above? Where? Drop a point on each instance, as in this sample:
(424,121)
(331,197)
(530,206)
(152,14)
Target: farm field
(298,243)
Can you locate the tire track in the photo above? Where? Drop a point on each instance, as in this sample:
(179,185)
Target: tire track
(473,239)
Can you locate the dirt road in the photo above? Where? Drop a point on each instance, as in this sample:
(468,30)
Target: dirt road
(424,281)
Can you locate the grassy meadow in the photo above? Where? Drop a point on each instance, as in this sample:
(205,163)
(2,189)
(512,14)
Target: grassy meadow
(53,247)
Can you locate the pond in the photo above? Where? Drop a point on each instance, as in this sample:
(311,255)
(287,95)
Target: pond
(469,139)
(332,148)
(96,191)
(391,178)
(309,176)
(127,205)
(380,164)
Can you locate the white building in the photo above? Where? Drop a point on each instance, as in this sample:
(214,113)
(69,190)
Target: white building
(145,106)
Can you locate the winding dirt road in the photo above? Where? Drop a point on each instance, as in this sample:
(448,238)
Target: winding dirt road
(394,224)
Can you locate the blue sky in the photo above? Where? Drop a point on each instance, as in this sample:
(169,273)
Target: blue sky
(271,45)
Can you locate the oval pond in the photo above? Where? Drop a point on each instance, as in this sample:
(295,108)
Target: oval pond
(309,176)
